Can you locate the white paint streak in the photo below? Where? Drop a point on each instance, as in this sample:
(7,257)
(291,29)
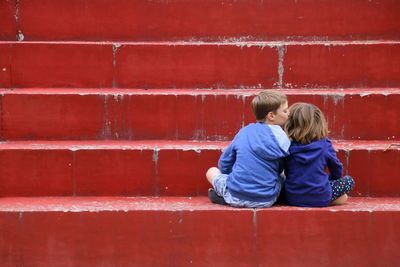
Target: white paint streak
(197,150)
(338,98)
(281,68)
(155,155)
(20,35)
(115,47)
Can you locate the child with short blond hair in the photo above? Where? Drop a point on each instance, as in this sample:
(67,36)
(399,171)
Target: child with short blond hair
(248,173)
(307,184)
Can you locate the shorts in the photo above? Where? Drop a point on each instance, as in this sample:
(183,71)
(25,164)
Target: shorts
(219,184)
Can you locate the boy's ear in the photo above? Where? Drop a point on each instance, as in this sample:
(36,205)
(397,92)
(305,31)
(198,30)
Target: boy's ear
(270,116)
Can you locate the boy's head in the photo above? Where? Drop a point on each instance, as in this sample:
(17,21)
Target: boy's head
(271,107)
(306,123)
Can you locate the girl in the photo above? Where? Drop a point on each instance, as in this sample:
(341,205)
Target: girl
(307,184)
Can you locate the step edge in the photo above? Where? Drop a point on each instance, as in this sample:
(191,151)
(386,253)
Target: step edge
(271,44)
(189,204)
(195,91)
(184,145)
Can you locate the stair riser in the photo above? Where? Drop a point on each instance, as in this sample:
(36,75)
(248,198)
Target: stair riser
(208,20)
(342,66)
(200,238)
(165,172)
(184,117)
(8,24)
(100,65)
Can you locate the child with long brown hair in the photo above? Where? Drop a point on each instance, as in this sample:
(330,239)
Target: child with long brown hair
(311,152)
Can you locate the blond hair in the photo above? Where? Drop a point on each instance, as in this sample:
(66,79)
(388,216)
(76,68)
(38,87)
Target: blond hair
(265,102)
(306,123)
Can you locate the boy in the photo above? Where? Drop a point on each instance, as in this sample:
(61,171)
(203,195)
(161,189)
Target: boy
(248,173)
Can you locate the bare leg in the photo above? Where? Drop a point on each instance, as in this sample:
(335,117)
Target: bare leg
(211,173)
(340,200)
(212,194)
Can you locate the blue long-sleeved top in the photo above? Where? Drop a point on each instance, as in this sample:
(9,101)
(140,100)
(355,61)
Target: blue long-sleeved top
(253,162)
(307,183)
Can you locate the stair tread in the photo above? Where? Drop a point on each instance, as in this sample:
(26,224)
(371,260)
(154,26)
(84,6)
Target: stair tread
(171,144)
(201,203)
(185,91)
(217,43)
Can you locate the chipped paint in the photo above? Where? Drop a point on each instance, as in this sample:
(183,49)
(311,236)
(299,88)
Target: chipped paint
(180,216)
(106,119)
(167,145)
(115,47)
(238,92)
(197,150)
(20,35)
(338,98)
(260,44)
(347,156)
(155,156)
(281,69)
(183,204)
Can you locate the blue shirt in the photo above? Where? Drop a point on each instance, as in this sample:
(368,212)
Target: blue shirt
(307,183)
(253,162)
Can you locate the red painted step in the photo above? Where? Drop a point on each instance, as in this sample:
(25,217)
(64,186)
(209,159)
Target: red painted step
(62,114)
(205,20)
(193,232)
(200,65)
(8,22)
(159,168)
(341,65)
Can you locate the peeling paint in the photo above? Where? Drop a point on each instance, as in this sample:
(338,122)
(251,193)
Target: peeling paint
(347,155)
(118,97)
(115,47)
(197,150)
(155,155)
(106,122)
(180,220)
(199,132)
(20,35)
(255,218)
(281,69)
(338,98)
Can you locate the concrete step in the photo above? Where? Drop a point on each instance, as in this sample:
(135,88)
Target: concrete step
(240,65)
(159,167)
(205,20)
(216,115)
(101,231)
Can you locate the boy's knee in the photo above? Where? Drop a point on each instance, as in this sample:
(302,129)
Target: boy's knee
(211,173)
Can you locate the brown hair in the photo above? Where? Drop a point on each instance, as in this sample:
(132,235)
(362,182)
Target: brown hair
(267,101)
(306,123)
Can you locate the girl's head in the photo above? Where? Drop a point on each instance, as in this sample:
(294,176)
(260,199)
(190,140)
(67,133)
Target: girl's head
(306,123)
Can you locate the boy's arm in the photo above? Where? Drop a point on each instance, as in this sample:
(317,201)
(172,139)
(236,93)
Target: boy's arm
(227,160)
(334,165)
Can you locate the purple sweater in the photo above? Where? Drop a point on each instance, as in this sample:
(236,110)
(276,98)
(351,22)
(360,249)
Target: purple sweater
(307,183)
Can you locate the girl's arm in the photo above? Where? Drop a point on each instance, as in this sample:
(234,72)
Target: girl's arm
(334,165)
(227,160)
